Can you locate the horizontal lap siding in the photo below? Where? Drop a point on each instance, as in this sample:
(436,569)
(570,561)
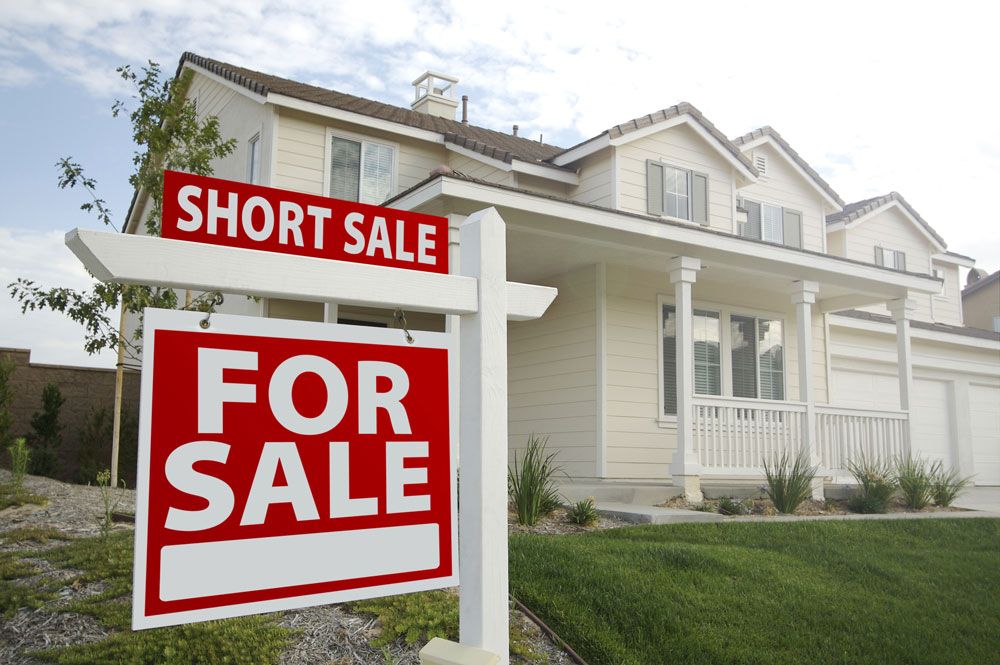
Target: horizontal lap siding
(596,180)
(891,229)
(784,187)
(948,305)
(678,146)
(552,376)
(240,118)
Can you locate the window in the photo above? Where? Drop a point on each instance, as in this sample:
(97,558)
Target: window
(676,192)
(890,258)
(253,160)
(751,356)
(707,334)
(360,170)
(772,223)
(940,275)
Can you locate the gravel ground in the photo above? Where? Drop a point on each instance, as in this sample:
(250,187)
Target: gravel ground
(327,635)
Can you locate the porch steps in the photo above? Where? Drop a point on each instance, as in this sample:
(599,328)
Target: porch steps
(637,514)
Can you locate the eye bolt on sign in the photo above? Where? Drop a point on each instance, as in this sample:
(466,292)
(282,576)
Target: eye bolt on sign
(290,464)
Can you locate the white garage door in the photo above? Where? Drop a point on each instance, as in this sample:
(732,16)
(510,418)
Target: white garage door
(984,417)
(931,421)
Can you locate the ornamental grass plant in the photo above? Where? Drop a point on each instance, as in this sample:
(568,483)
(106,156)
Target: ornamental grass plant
(531,484)
(915,481)
(789,480)
(876,485)
(947,485)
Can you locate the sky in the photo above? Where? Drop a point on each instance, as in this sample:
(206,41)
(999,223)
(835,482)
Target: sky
(877,96)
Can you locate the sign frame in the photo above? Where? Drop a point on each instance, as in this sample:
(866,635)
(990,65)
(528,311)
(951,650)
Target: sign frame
(159,320)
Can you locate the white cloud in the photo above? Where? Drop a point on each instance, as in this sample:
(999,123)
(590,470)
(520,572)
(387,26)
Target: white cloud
(52,338)
(877,96)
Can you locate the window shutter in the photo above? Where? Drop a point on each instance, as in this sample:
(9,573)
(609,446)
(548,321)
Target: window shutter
(744,356)
(669,360)
(792,222)
(345,169)
(654,188)
(699,198)
(752,228)
(900,260)
(879,258)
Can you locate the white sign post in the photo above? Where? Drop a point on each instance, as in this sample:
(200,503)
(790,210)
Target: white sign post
(480,295)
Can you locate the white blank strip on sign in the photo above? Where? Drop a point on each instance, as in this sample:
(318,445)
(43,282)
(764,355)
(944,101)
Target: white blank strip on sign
(210,569)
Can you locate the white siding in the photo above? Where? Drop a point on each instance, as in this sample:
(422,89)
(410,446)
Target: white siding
(784,187)
(682,147)
(947,307)
(597,180)
(552,376)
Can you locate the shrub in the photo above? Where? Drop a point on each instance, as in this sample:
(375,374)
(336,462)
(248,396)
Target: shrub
(789,481)
(19,458)
(95,443)
(730,505)
(6,397)
(46,435)
(946,485)
(583,512)
(913,476)
(876,485)
(530,482)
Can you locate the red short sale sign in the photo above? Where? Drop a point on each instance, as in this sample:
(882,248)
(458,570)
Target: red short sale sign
(285,464)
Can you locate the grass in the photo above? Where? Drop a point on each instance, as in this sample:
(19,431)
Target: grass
(12,496)
(819,592)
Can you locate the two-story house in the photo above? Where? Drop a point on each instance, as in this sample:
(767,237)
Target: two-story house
(719,303)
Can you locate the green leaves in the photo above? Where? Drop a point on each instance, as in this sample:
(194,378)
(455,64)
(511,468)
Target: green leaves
(789,482)
(530,484)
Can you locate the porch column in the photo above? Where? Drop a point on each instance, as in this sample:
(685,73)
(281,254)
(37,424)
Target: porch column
(803,297)
(686,467)
(902,311)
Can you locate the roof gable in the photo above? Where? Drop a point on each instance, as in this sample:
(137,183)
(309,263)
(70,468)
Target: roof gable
(861,211)
(769,135)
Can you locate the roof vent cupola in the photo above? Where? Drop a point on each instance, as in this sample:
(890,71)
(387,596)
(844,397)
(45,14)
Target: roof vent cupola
(434,94)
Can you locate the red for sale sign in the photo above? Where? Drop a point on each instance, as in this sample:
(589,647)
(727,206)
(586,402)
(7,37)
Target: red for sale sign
(235,214)
(285,464)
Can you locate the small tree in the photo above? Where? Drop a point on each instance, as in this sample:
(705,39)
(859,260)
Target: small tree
(169,134)
(6,398)
(95,439)
(46,432)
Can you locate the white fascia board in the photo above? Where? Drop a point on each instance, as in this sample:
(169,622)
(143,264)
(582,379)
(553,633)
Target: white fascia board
(951,259)
(795,166)
(586,148)
(918,333)
(558,175)
(836,226)
(906,213)
(778,258)
(354,118)
(246,92)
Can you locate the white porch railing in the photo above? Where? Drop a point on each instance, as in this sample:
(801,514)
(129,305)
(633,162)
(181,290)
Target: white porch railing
(845,435)
(733,436)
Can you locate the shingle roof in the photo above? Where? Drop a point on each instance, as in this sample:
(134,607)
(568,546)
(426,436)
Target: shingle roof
(925,325)
(663,115)
(858,209)
(486,141)
(767,130)
(981,284)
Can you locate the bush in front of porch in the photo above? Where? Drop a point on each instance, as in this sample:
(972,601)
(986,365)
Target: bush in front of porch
(900,591)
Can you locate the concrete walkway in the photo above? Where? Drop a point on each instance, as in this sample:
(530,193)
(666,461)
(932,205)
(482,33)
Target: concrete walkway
(977,502)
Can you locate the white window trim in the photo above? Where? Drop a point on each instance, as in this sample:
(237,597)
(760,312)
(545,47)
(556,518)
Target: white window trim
(894,252)
(802,221)
(941,295)
(726,359)
(361,138)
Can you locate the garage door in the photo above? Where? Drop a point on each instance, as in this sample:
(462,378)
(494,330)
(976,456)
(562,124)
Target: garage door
(931,421)
(984,412)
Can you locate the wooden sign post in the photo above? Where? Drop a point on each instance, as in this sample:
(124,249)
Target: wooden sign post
(480,295)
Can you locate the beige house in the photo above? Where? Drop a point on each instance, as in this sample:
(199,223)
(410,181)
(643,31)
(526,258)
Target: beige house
(718,304)
(981,301)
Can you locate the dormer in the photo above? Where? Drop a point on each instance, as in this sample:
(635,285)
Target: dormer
(434,94)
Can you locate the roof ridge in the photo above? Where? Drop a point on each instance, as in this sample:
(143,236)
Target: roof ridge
(858,209)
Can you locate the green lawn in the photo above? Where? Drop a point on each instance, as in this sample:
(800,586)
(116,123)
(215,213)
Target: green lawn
(904,591)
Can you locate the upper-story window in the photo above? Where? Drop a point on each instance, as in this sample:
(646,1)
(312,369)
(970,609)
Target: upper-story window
(253,160)
(676,192)
(890,258)
(361,170)
(940,275)
(771,223)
